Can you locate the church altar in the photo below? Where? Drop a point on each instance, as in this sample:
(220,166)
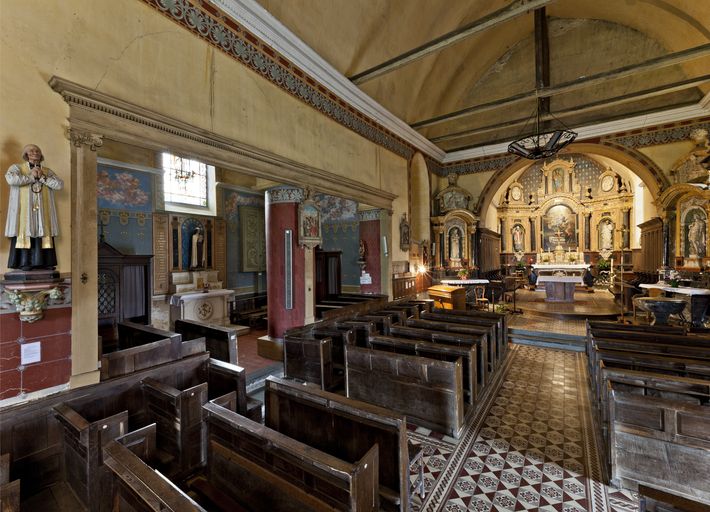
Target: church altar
(209,307)
(698,299)
(560,279)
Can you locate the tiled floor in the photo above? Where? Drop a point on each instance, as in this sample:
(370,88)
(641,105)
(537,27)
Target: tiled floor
(529,445)
(528,322)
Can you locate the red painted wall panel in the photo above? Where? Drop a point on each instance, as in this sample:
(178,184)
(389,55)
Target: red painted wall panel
(370,234)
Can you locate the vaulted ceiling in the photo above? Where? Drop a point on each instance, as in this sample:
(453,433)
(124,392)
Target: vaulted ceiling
(464,73)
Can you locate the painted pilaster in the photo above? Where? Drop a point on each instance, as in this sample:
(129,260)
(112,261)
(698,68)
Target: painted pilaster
(84,264)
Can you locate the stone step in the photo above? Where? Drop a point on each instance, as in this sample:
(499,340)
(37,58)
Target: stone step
(547,339)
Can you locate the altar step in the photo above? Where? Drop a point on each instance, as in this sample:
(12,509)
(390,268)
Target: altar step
(547,339)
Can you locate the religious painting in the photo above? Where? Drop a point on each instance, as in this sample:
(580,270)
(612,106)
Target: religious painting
(518,235)
(309,224)
(695,230)
(118,189)
(559,229)
(253,243)
(557,180)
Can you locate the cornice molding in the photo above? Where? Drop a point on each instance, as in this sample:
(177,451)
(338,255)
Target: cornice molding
(94,112)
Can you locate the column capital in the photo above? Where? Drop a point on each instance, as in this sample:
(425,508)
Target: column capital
(285,194)
(373,214)
(80,137)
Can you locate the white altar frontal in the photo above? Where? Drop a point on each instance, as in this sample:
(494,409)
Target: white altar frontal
(560,279)
(199,297)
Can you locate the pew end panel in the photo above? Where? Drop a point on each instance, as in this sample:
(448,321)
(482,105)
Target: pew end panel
(220,342)
(139,488)
(344,428)
(224,377)
(429,392)
(283,474)
(660,443)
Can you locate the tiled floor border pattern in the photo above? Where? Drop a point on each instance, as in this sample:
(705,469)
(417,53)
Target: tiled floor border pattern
(599,498)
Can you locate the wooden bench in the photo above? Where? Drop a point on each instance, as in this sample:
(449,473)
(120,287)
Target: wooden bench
(9,489)
(137,487)
(467,354)
(221,342)
(480,318)
(311,360)
(253,463)
(428,391)
(382,322)
(362,329)
(474,330)
(142,346)
(661,443)
(84,435)
(344,428)
(480,341)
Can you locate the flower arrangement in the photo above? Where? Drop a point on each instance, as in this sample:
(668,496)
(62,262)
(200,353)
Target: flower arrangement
(464,273)
(603,264)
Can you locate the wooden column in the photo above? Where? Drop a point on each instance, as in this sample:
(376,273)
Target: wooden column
(84,264)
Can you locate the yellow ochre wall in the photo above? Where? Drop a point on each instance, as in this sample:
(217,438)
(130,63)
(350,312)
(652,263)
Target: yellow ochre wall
(129,51)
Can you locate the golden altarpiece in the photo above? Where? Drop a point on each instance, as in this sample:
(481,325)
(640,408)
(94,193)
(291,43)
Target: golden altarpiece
(453,227)
(551,215)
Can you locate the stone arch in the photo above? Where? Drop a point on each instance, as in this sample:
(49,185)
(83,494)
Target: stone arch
(643,167)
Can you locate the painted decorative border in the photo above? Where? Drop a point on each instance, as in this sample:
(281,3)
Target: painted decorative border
(656,135)
(285,195)
(221,31)
(366,215)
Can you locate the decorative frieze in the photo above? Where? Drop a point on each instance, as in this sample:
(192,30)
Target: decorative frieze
(657,135)
(285,195)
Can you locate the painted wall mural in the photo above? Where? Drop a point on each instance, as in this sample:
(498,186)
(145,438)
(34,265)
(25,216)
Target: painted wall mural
(125,207)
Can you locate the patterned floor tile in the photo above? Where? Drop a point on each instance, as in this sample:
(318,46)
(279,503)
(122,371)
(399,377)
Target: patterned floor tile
(527,447)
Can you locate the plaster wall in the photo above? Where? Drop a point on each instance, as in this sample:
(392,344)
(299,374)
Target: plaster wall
(667,155)
(154,63)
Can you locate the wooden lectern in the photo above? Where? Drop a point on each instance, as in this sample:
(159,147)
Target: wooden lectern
(448,297)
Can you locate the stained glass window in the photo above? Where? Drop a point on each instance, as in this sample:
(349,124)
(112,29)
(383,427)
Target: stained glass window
(185,180)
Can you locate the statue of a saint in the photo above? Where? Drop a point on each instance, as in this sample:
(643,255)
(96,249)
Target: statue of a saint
(32,214)
(197,252)
(455,245)
(696,237)
(607,239)
(518,238)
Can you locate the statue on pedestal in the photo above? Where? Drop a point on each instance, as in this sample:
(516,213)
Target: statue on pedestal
(31,215)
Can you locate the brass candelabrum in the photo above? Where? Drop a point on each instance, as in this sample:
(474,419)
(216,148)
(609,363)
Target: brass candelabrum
(622,284)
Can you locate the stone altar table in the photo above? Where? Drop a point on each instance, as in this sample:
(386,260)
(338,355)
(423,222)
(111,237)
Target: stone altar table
(560,279)
(209,307)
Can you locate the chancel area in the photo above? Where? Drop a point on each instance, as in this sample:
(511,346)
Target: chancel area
(354,255)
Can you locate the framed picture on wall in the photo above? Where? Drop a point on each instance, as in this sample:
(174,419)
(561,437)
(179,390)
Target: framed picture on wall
(309,223)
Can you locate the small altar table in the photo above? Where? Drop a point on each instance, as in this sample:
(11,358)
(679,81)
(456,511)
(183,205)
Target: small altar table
(209,307)
(698,301)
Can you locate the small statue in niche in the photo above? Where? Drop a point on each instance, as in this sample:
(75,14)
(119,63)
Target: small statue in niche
(197,249)
(404,233)
(696,237)
(31,215)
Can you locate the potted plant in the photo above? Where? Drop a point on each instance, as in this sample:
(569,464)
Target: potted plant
(603,265)
(463,273)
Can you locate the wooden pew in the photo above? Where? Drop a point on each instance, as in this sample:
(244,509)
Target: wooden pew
(435,351)
(223,378)
(310,360)
(9,490)
(344,428)
(142,346)
(253,463)
(139,488)
(661,443)
(474,330)
(362,329)
(382,322)
(178,415)
(221,342)
(429,392)
(611,326)
(480,318)
(480,341)
(84,435)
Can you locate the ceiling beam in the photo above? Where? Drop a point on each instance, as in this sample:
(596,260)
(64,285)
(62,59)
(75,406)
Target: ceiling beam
(512,10)
(574,85)
(581,109)
(542,59)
